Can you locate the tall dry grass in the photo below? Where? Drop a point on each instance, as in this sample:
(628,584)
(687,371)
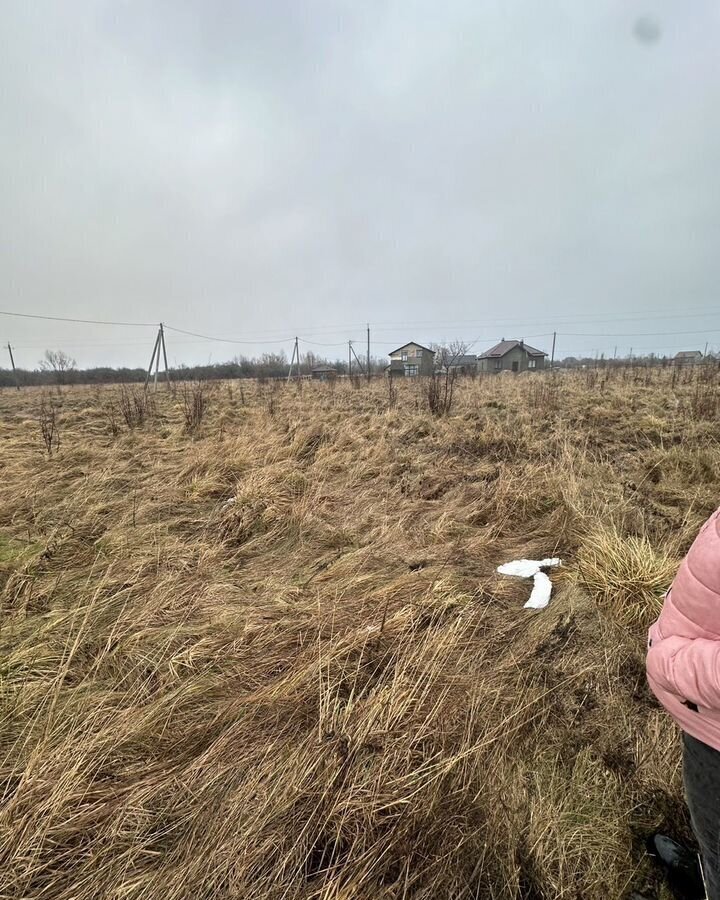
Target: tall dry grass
(268,656)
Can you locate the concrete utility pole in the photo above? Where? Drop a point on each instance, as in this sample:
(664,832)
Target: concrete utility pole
(368,352)
(349,358)
(164,350)
(295,356)
(12,363)
(157,358)
(156,351)
(357,359)
(552,355)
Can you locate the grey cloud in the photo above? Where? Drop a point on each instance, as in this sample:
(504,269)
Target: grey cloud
(250,169)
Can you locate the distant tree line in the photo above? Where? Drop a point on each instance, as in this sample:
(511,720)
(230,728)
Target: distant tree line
(604,362)
(57,367)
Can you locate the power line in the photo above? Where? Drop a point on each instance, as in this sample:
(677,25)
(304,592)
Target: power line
(218,340)
(80,321)
(640,333)
(387,326)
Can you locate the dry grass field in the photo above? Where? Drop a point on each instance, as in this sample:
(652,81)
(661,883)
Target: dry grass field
(322,689)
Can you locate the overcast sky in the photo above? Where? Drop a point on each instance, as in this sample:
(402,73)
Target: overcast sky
(253,170)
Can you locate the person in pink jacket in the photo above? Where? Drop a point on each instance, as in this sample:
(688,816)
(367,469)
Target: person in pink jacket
(683,670)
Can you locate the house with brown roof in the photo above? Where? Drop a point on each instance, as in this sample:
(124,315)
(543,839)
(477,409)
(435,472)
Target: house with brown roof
(511,356)
(410,360)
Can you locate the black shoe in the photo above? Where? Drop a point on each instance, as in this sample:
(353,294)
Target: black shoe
(682,866)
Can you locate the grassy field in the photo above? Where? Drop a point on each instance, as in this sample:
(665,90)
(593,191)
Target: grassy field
(321,689)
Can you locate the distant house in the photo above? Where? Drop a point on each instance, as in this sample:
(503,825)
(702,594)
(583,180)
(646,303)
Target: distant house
(466,364)
(511,356)
(410,360)
(687,358)
(323,373)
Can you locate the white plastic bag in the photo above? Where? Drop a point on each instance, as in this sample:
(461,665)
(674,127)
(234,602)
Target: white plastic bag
(531,568)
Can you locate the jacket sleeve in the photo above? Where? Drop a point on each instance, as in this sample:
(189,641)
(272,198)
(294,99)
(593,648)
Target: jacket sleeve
(688,668)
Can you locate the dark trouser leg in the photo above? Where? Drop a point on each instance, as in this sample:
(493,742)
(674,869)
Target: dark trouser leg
(701,775)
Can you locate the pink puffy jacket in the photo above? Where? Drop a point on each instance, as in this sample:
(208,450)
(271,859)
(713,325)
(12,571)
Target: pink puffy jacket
(683,660)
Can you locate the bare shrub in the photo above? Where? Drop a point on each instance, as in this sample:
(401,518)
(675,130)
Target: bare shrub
(194,406)
(440,387)
(49,424)
(136,406)
(439,392)
(112,417)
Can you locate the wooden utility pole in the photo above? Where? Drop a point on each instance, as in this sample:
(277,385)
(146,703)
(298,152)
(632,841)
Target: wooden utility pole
(552,355)
(368,352)
(156,352)
(12,363)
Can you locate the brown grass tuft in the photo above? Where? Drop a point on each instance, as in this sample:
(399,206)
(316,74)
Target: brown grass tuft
(626,575)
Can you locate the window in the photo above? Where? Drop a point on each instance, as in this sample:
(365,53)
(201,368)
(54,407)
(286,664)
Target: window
(532,364)
(498,364)
(411,370)
(403,356)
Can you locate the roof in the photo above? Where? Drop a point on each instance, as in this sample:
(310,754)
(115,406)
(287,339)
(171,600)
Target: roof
(688,354)
(324,369)
(411,344)
(466,360)
(506,346)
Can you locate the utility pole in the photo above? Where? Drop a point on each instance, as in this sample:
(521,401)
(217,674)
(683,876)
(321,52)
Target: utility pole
(295,356)
(12,363)
(156,352)
(368,360)
(704,354)
(349,358)
(360,366)
(552,355)
(164,350)
(157,358)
